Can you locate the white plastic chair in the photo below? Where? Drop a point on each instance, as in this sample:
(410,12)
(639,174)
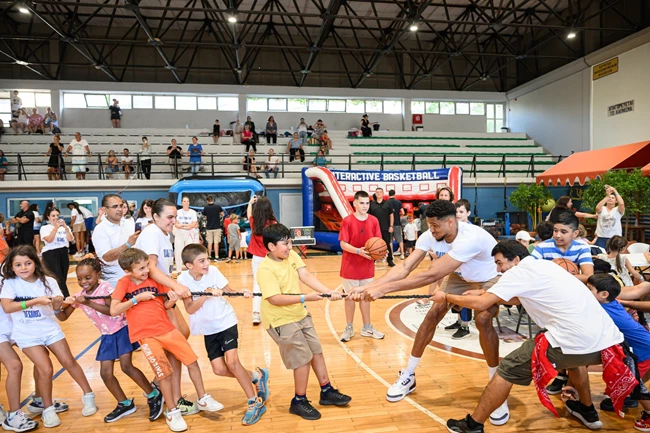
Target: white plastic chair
(638,248)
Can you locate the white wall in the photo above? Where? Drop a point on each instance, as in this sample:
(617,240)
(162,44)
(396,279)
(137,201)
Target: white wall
(631,82)
(135,118)
(456,123)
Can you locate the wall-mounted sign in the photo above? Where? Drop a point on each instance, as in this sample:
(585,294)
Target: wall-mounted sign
(623,107)
(606,68)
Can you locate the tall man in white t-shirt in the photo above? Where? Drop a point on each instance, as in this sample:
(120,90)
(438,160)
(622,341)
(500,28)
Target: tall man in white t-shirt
(576,330)
(465,263)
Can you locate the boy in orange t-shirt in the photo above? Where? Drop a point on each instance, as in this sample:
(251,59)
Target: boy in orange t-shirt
(149,325)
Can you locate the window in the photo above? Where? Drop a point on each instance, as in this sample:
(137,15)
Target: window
(142,101)
(164,102)
(74,100)
(432,108)
(354,106)
(257,104)
(417,107)
(43,100)
(317,105)
(207,102)
(5,111)
(393,107)
(29,101)
(336,105)
(447,108)
(124,101)
(228,103)
(96,101)
(186,103)
(494,117)
(477,108)
(462,108)
(277,104)
(374,106)
(297,105)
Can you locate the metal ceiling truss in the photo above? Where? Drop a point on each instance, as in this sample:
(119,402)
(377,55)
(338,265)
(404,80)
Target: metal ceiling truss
(459,45)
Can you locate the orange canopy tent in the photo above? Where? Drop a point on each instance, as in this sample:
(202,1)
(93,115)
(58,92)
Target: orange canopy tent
(646,170)
(582,166)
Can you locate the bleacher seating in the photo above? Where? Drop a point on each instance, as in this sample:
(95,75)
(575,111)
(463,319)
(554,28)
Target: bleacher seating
(478,154)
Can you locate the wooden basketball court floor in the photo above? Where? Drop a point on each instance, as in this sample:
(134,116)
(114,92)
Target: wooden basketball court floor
(448,384)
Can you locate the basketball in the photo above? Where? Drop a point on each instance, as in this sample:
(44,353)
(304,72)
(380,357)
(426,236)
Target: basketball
(568,266)
(376,248)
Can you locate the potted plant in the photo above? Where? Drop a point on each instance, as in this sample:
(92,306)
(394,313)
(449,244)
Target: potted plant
(530,198)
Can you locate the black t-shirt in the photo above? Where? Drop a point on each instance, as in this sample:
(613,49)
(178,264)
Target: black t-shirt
(382,213)
(26,230)
(213,214)
(396,205)
(555,213)
(115,111)
(216,130)
(175,154)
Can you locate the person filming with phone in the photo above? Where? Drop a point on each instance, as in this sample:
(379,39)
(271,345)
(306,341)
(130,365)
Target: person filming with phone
(610,210)
(57,237)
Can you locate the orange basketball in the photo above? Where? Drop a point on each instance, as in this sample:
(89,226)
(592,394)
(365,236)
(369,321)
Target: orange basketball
(376,248)
(568,266)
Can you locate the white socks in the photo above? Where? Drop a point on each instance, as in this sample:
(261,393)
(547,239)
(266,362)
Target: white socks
(413,363)
(492,371)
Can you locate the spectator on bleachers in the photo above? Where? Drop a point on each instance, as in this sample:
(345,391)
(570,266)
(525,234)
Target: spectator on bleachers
(271,165)
(195,152)
(326,141)
(175,153)
(51,120)
(302,129)
(216,132)
(80,150)
(112,164)
(320,160)
(22,119)
(16,105)
(249,164)
(55,162)
(271,131)
(366,126)
(116,113)
(247,139)
(145,157)
(295,145)
(36,122)
(237,129)
(251,126)
(3,165)
(127,163)
(319,129)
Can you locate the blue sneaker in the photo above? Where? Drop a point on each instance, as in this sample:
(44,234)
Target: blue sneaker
(262,384)
(254,412)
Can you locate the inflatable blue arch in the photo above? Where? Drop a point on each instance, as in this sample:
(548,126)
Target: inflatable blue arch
(232,193)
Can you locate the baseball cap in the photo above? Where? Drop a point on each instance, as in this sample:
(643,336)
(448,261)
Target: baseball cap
(523,235)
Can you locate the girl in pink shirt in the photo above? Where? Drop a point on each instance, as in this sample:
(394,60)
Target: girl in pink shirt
(114,344)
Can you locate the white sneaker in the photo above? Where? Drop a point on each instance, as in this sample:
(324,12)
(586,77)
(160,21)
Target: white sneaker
(402,257)
(501,415)
(88,400)
(50,418)
(404,385)
(348,333)
(257,318)
(370,331)
(20,422)
(175,420)
(209,404)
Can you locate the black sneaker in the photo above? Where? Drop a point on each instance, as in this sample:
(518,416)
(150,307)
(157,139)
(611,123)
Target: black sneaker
(453,326)
(608,405)
(462,426)
(462,332)
(120,411)
(156,405)
(332,397)
(391,264)
(556,386)
(586,414)
(304,409)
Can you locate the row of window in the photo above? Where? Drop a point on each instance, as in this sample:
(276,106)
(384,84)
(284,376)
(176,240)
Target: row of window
(159,102)
(302,105)
(30,100)
(451,108)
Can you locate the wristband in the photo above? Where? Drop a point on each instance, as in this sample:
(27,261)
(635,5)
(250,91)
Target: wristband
(23,305)
(135,301)
(57,311)
(302,299)
(357,251)
(128,245)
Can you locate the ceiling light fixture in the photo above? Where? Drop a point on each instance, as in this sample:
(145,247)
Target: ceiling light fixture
(571,34)
(23,10)
(232,19)
(413,27)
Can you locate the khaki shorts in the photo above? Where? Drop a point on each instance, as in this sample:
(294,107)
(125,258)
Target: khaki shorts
(298,342)
(213,236)
(455,285)
(349,285)
(76,228)
(515,368)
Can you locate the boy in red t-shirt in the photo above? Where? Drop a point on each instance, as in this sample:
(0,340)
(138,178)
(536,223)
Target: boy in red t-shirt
(149,325)
(357,267)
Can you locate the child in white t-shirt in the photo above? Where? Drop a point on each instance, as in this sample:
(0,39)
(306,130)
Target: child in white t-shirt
(410,234)
(214,318)
(244,245)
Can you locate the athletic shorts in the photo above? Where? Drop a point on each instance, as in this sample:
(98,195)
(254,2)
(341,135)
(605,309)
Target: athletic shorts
(644,367)
(455,285)
(6,338)
(213,236)
(515,368)
(349,285)
(409,244)
(153,349)
(112,346)
(397,234)
(77,228)
(235,244)
(88,222)
(298,342)
(218,344)
(44,340)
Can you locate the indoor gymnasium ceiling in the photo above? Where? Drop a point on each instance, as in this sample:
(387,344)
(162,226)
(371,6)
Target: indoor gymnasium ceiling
(491,45)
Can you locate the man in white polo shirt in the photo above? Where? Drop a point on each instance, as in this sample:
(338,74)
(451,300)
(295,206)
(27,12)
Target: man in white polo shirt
(108,240)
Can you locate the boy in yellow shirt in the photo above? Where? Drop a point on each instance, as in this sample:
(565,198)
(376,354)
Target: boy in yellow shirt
(286,319)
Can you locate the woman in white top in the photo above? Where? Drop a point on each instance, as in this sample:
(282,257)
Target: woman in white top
(56,237)
(144,217)
(145,157)
(78,228)
(38,222)
(610,210)
(186,231)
